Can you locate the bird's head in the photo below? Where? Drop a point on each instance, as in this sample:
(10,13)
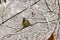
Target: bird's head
(23,19)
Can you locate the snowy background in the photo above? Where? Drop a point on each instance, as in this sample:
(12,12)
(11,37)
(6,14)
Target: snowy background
(45,13)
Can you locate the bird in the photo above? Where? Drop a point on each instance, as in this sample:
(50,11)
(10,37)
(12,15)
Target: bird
(25,23)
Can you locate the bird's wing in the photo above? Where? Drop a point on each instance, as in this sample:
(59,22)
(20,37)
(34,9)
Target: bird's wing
(28,22)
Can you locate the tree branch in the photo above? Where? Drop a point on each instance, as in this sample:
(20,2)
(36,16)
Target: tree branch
(0,1)
(48,6)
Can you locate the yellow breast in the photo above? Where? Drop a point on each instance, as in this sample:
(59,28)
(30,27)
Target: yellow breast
(26,23)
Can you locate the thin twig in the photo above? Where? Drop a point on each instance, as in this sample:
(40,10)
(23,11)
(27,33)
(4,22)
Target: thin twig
(58,2)
(0,1)
(48,6)
(59,10)
(30,25)
(58,19)
(7,6)
(5,1)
